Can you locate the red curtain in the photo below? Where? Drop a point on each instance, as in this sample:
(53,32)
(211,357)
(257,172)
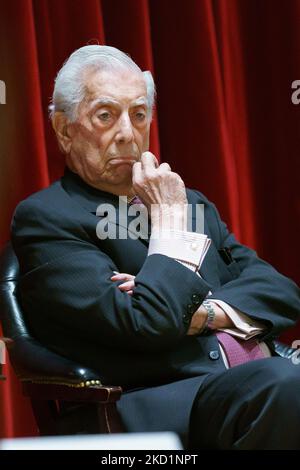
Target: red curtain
(225,120)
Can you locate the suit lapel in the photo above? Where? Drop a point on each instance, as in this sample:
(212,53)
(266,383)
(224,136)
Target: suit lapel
(91,198)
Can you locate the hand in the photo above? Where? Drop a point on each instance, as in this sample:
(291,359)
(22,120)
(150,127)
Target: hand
(221,320)
(126,286)
(162,191)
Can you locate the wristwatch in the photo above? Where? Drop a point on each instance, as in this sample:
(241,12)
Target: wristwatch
(210,316)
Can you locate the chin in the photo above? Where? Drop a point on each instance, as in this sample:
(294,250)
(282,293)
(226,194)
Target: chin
(122,174)
(120,181)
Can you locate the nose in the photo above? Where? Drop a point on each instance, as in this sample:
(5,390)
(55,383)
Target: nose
(125,131)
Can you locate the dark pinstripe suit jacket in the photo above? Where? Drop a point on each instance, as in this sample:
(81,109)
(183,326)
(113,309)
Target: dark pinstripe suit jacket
(138,342)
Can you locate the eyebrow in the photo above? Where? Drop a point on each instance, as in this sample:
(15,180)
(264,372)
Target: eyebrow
(104,101)
(140,102)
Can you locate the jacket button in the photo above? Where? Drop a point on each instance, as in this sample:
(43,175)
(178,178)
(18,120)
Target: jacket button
(190,309)
(186,318)
(196,299)
(214,355)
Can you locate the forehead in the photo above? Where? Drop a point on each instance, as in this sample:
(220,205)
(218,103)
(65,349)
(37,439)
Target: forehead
(123,86)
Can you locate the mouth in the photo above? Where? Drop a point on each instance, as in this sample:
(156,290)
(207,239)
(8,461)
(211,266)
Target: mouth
(127,160)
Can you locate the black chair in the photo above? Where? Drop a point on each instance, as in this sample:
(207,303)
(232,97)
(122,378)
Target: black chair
(67,398)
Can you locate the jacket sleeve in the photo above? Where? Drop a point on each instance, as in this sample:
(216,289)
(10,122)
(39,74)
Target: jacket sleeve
(257,289)
(66,279)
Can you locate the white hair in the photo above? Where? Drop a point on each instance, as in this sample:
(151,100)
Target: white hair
(70,87)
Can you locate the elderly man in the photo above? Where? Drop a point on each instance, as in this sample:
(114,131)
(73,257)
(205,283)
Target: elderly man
(180,319)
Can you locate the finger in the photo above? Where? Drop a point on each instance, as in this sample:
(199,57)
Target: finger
(118,277)
(126,286)
(137,173)
(127,275)
(130,292)
(164,167)
(122,277)
(149,162)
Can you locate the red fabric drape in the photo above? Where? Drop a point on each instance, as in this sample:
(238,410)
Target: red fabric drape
(225,120)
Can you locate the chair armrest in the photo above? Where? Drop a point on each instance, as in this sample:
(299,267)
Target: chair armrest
(90,394)
(63,409)
(32,362)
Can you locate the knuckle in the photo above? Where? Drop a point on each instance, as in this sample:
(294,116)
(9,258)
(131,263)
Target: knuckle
(165,166)
(150,176)
(176,177)
(137,183)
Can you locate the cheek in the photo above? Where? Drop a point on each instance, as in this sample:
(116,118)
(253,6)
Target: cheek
(144,140)
(88,141)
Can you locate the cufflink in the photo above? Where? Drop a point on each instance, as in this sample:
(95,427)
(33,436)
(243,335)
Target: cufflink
(194,246)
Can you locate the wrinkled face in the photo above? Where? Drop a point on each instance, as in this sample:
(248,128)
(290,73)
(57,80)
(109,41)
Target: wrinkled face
(111,130)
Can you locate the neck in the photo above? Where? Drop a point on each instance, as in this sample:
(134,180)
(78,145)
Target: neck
(117,190)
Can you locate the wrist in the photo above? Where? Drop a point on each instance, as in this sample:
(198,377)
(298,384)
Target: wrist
(221,319)
(210,318)
(169,217)
(198,322)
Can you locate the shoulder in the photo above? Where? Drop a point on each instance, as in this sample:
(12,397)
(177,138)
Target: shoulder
(196,197)
(211,215)
(42,200)
(50,209)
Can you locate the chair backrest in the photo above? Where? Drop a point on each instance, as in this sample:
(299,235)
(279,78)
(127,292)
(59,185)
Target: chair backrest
(30,359)
(11,315)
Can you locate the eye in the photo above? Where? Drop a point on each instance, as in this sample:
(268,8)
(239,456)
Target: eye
(140,116)
(104,116)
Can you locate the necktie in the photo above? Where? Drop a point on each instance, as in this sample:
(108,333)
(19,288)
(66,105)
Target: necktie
(239,351)
(135,200)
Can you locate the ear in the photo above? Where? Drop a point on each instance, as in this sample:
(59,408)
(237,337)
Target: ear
(60,124)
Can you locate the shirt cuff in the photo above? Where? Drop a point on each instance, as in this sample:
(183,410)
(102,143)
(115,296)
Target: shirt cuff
(245,327)
(189,248)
